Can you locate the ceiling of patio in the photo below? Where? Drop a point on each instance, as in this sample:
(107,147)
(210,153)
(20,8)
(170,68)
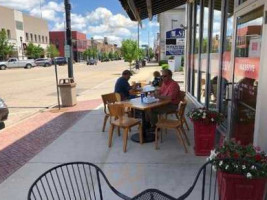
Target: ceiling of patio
(133,7)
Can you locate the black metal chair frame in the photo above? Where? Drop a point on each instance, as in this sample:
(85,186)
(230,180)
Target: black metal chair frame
(149,194)
(74,183)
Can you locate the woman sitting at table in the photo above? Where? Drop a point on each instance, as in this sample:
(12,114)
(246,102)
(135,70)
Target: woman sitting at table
(157,79)
(169,90)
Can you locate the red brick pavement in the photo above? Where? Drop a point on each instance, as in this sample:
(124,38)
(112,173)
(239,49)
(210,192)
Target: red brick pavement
(20,143)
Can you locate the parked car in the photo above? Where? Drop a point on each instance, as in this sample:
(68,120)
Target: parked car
(92,62)
(60,60)
(3,113)
(44,62)
(16,63)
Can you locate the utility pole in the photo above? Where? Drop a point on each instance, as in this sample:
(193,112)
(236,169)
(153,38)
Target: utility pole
(138,34)
(148,44)
(69,39)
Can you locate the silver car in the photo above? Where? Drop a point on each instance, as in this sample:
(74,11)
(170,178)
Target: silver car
(44,62)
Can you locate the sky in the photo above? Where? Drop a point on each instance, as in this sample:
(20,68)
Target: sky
(95,18)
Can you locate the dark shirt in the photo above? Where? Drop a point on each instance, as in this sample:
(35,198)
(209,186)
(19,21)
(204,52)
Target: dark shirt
(122,87)
(156,82)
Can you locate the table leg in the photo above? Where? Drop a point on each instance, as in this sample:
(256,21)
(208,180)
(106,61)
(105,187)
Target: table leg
(148,136)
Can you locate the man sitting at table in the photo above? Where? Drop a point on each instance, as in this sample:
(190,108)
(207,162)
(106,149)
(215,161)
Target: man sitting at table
(169,90)
(123,87)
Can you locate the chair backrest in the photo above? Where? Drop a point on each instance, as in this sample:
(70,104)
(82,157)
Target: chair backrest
(77,180)
(181,110)
(109,99)
(116,110)
(182,95)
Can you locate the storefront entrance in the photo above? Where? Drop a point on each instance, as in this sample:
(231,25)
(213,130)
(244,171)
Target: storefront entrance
(246,69)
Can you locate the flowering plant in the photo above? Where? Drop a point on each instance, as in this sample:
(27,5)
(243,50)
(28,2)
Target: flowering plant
(206,116)
(234,158)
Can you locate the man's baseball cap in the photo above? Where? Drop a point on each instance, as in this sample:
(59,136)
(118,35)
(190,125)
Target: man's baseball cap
(127,72)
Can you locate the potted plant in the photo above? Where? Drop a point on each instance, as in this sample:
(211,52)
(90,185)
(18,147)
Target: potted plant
(242,171)
(205,122)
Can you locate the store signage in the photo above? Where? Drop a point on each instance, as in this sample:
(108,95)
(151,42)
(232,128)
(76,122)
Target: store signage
(175,40)
(67,51)
(247,67)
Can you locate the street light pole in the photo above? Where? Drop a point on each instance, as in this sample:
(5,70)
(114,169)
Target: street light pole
(68,34)
(22,48)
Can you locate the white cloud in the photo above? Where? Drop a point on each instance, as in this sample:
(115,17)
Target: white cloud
(51,11)
(153,23)
(99,22)
(21,4)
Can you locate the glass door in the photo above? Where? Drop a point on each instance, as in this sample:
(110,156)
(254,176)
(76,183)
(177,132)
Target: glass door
(246,74)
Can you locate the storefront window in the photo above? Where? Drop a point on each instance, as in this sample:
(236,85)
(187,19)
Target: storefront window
(204,51)
(196,49)
(226,62)
(246,74)
(215,54)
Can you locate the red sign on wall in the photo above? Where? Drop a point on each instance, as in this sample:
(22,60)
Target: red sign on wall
(247,67)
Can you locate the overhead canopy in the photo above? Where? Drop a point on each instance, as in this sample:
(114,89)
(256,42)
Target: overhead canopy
(138,10)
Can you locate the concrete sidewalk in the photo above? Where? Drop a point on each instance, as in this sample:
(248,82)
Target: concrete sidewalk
(52,138)
(168,169)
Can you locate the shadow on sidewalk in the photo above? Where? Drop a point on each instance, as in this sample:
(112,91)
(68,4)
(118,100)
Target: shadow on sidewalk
(20,152)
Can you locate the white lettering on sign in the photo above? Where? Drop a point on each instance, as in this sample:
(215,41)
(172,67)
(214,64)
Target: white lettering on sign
(247,67)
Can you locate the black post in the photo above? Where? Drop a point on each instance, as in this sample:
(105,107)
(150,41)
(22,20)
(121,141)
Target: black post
(68,34)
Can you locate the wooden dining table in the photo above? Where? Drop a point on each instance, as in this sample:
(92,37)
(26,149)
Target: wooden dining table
(144,107)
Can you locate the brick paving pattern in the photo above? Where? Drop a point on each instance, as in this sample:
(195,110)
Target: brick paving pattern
(20,143)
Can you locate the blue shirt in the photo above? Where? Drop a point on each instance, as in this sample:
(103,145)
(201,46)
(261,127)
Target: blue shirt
(122,87)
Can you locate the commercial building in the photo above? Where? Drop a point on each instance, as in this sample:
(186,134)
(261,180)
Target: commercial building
(79,43)
(226,45)
(22,29)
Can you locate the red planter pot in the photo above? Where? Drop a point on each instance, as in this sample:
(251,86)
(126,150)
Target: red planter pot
(238,187)
(204,135)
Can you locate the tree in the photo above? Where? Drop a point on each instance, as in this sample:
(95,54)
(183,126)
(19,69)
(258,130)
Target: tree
(6,49)
(129,51)
(111,55)
(52,51)
(87,53)
(151,53)
(33,51)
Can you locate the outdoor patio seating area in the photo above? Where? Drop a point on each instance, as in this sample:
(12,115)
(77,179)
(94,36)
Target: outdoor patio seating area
(169,168)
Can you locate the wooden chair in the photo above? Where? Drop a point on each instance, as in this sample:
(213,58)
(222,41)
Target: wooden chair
(110,98)
(182,98)
(121,120)
(176,124)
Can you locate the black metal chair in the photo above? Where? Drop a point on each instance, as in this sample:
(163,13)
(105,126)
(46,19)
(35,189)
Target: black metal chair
(73,181)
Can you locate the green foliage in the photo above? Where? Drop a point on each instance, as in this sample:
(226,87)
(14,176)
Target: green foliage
(247,160)
(151,53)
(161,62)
(5,48)
(52,51)
(111,55)
(116,55)
(90,53)
(171,57)
(182,61)
(33,51)
(165,66)
(206,116)
(129,51)
(181,69)
(141,54)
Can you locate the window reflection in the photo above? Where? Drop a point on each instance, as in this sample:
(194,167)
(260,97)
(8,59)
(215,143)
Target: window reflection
(246,73)
(204,52)
(226,62)
(214,55)
(196,48)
